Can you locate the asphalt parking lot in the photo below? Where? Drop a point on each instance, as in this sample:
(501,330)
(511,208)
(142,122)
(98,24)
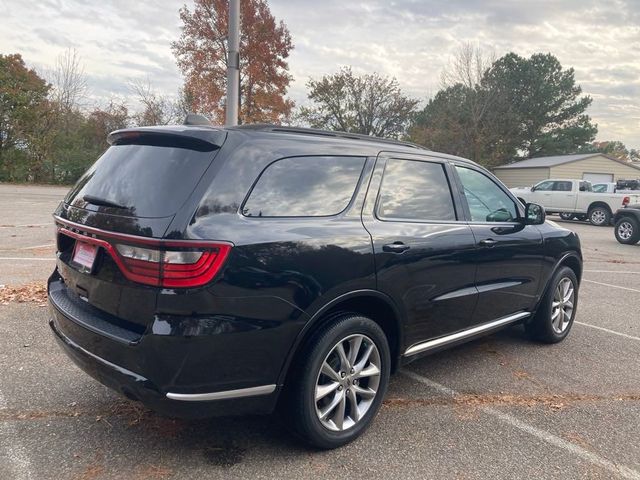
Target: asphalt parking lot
(499,407)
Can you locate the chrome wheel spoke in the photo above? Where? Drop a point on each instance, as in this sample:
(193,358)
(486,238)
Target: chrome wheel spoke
(324,390)
(354,348)
(364,392)
(330,372)
(354,412)
(370,371)
(344,361)
(338,418)
(338,397)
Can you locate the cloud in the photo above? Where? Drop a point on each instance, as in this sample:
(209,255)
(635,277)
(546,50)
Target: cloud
(413,40)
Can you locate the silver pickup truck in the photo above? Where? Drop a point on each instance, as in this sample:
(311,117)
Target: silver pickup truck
(575,199)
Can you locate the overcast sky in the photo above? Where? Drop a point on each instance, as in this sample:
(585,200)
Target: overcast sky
(123,40)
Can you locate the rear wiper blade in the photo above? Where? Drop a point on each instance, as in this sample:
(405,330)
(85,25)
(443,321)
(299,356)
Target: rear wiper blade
(102,202)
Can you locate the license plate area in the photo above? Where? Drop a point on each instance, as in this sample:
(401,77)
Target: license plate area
(84,255)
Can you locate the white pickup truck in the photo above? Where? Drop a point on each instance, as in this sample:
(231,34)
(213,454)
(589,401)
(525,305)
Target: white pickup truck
(575,199)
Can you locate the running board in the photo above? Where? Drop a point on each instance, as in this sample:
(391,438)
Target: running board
(471,332)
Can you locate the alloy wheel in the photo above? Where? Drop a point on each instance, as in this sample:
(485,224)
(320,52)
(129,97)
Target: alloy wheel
(598,217)
(347,382)
(562,305)
(625,230)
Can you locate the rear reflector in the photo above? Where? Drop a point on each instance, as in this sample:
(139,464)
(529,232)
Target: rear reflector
(625,201)
(161,263)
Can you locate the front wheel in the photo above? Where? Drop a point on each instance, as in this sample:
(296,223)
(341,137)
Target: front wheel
(627,230)
(567,216)
(599,216)
(340,383)
(557,310)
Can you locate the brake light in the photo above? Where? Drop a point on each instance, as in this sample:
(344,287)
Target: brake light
(625,201)
(161,263)
(172,268)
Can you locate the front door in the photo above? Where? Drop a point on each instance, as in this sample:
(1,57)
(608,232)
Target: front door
(423,247)
(509,252)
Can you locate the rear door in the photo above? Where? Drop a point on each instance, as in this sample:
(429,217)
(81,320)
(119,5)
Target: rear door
(509,253)
(563,197)
(423,247)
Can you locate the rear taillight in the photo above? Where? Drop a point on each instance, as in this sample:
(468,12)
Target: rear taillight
(172,267)
(625,201)
(161,263)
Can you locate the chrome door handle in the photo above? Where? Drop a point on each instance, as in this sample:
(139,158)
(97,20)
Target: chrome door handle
(487,242)
(395,247)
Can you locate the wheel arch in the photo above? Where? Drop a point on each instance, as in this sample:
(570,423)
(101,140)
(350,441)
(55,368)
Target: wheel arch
(599,203)
(371,303)
(571,260)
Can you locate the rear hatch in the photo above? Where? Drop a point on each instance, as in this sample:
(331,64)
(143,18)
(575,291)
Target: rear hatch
(111,227)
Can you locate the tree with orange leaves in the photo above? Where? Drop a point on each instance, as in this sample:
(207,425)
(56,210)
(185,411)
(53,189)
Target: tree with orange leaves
(201,54)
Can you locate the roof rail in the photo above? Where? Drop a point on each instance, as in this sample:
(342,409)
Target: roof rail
(326,133)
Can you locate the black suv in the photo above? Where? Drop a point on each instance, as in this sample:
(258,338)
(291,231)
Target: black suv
(205,270)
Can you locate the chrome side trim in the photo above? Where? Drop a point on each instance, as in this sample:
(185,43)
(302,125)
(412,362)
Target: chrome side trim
(224,395)
(438,342)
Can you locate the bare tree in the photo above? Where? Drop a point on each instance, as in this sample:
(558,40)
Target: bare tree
(368,104)
(157,109)
(69,81)
(467,66)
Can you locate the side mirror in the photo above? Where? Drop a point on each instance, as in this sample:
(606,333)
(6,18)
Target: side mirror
(533,189)
(534,214)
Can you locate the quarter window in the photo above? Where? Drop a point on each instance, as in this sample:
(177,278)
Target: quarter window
(415,190)
(304,187)
(487,202)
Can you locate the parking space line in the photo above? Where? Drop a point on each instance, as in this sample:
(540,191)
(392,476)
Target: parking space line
(18,461)
(612,286)
(608,331)
(48,259)
(621,470)
(611,271)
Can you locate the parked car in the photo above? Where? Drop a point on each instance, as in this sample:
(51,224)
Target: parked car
(627,224)
(205,270)
(613,188)
(603,188)
(575,199)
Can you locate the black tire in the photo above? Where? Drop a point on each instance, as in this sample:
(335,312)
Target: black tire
(299,410)
(599,216)
(582,218)
(542,327)
(627,230)
(567,216)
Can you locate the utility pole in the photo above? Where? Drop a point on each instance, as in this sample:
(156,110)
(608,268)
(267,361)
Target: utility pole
(233,64)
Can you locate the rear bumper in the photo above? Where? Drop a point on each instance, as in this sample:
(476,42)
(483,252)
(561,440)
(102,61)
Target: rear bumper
(158,370)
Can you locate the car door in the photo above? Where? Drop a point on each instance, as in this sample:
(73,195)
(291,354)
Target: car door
(563,197)
(508,252)
(541,194)
(423,247)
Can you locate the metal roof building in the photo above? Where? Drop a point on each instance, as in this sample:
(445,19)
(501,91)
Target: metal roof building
(595,167)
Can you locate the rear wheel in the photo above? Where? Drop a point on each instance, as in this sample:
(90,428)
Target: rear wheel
(599,216)
(627,230)
(557,310)
(340,382)
(567,216)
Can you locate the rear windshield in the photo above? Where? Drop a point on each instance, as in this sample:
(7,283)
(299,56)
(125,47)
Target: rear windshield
(146,180)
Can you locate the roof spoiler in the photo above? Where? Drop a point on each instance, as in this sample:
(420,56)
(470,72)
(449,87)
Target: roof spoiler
(197,137)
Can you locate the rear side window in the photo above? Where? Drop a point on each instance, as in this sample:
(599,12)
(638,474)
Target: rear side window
(414,190)
(145,180)
(563,186)
(304,187)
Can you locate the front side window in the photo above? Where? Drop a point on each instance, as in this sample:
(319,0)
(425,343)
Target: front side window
(487,202)
(305,187)
(544,187)
(414,190)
